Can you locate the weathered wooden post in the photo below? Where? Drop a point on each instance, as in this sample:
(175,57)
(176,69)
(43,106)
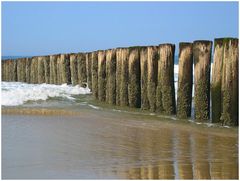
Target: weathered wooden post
(144,78)
(202,66)
(111,76)
(159,104)
(53,69)
(28,70)
(134,83)
(41,70)
(94,74)
(88,69)
(10,70)
(185,80)
(74,68)
(21,67)
(12,73)
(46,61)
(230,82)
(166,79)
(34,70)
(152,72)
(124,77)
(82,71)
(14,70)
(101,75)
(5,70)
(65,69)
(216,96)
(118,74)
(59,70)
(2,70)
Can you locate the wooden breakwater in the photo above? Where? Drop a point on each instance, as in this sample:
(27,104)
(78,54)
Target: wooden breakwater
(143,77)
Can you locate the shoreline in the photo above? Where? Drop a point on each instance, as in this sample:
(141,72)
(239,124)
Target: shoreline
(128,119)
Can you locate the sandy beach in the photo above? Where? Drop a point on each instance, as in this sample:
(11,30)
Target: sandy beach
(43,143)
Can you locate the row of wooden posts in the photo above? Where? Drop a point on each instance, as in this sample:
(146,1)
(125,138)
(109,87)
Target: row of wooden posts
(143,77)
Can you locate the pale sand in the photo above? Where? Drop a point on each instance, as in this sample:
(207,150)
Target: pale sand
(41,143)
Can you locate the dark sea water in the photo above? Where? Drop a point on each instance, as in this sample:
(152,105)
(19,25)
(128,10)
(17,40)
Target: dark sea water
(12,57)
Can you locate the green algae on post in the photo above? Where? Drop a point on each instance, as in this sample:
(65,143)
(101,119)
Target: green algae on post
(28,70)
(134,88)
(34,70)
(81,68)
(230,82)
(202,66)
(46,62)
(101,76)
(3,70)
(94,70)
(216,94)
(73,69)
(88,69)
(118,74)
(41,70)
(21,70)
(152,68)
(53,69)
(144,78)
(124,77)
(185,80)
(166,78)
(65,69)
(111,76)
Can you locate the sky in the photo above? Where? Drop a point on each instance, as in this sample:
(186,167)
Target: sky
(43,28)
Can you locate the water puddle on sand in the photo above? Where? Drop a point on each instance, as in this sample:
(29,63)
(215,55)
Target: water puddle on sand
(99,144)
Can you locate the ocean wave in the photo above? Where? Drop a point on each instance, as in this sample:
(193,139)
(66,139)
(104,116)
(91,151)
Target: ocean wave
(18,93)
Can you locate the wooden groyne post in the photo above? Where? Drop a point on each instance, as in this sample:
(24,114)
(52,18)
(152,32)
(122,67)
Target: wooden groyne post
(101,76)
(118,75)
(230,85)
(134,84)
(21,70)
(124,54)
(89,70)
(34,70)
(81,69)
(53,69)
(41,70)
(46,62)
(73,68)
(152,72)
(216,93)
(65,69)
(28,70)
(202,65)
(144,78)
(111,76)
(185,80)
(165,90)
(94,71)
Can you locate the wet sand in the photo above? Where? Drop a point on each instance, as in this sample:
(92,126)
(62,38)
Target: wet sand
(99,144)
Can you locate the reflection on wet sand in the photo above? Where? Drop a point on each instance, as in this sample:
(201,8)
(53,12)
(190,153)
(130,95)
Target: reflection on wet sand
(182,155)
(104,146)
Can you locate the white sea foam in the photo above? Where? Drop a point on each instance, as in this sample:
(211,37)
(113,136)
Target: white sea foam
(17,93)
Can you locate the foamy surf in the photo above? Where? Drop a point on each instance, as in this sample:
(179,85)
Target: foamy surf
(18,93)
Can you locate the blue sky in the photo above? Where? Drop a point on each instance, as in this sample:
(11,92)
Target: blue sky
(41,28)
